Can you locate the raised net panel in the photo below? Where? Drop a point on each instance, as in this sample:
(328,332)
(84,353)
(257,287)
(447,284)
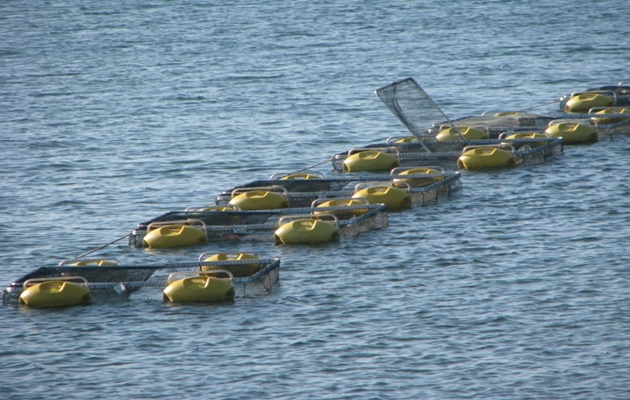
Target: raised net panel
(411,105)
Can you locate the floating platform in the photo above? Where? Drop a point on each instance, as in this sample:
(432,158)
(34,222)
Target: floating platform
(108,284)
(416,154)
(602,96)
(424,119)
(427,186)
(427,123)
(257,225)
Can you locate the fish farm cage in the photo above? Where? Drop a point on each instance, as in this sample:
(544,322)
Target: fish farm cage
(260,225)
(425,120)
(427,187)
(525,151)
(116,283)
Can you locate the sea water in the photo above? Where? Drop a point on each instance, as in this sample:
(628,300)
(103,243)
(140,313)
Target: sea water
(112,113)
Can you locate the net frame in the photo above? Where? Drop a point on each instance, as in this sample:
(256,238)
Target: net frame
(412,106)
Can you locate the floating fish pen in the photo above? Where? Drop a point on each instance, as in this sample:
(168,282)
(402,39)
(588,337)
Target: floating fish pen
(424,119)
(606,109)
(603,96)
(425,185)
(196,226)
(208,280)
(523,151)
(396,145)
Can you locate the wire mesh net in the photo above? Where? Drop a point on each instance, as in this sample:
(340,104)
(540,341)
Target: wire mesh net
(411,105)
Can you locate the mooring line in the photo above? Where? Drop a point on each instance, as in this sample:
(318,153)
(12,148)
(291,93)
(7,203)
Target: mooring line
(100,247)
(307,168)
(539,105)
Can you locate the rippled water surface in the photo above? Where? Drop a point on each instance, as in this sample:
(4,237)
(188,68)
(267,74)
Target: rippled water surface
(112,113)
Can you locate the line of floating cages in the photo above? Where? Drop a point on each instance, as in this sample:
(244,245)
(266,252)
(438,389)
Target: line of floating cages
(402,188)
(603,96)
(607,108)
(213,278)
(596,124)
(301,225)
(479,154)
(589,116)
(417,111)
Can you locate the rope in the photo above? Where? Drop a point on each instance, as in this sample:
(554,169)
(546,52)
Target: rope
(307,168)
(539,105)
(100,247)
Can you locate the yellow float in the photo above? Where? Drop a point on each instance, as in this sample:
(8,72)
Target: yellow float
(199,288)
(218,208)
(259,199)
(392,197)
(310,176)
(55,292)
(408,139)
(507,114)
(610,110)
(306,230)
(418,181)
(527,135)
(369,160)
(237,270)
(213,208)
(450,134)
(572,132)
(90,263)
(175,234)
(587,100)
(343,203)
(478,157)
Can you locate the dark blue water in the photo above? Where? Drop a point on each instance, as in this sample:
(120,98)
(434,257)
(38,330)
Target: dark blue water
(113,113)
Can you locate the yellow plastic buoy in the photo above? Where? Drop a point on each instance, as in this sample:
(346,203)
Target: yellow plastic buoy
(486,157)
(238,270)
(96,263)
(529,135)
(55,292)
(205,209)
(175,235)
(507,114)
(291,177)
(408,139)
(611,110)
(390,196)
(218,208)
(369,160)
(199,289)
(259,200)
(572,132)
(470,133)
(344,203)
(419,181)
(587,100)
(306,231)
